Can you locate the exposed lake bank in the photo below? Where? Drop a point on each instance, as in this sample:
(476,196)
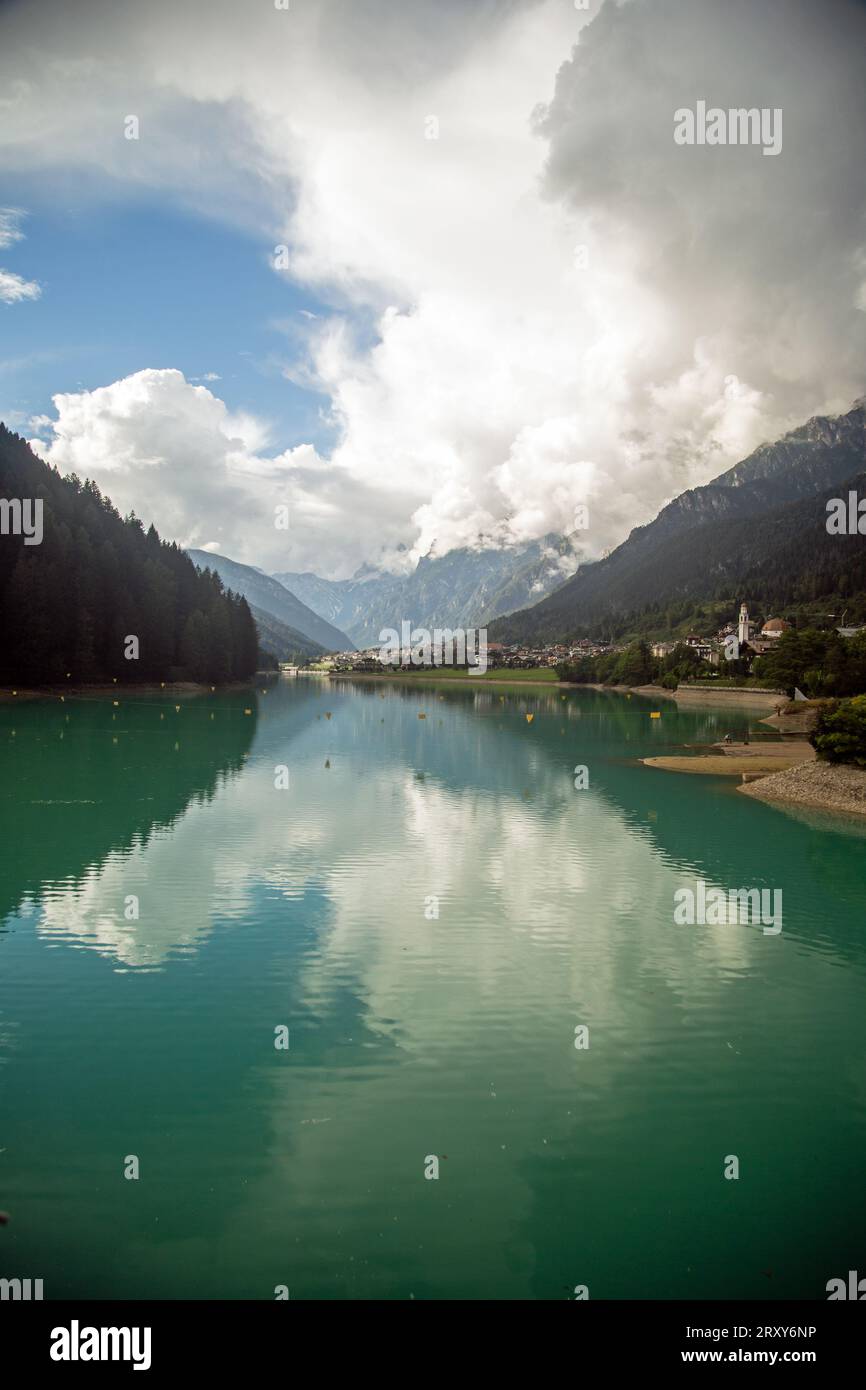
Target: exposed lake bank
(736,760)
(786,771)
(831,786)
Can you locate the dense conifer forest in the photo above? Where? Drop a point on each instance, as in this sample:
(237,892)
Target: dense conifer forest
(70,604)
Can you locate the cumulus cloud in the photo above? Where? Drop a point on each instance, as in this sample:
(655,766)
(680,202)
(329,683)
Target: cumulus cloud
(168,450)
(550,304)
(176,455)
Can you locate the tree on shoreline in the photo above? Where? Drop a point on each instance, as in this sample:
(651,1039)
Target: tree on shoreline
(70,604)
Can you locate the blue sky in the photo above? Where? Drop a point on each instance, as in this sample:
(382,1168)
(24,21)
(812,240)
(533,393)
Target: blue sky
(132,282)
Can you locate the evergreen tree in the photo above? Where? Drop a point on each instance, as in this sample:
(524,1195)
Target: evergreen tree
(71,603)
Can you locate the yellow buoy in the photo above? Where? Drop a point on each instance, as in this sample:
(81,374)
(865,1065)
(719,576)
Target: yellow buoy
(655,714)
(529,718)
(247,711)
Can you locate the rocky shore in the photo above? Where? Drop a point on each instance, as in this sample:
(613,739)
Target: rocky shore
(833,786)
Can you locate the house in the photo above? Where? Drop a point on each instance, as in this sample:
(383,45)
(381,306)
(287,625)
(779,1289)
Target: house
(774,627)
(702,646)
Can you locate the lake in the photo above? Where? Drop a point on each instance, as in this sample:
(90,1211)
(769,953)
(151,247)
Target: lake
(406,886)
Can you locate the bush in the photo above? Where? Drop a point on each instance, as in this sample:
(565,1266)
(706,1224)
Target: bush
(840,732)
(669,681)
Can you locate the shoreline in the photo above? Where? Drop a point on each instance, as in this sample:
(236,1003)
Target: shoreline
(759,699)
(835,787)
(448,680)
(761,760)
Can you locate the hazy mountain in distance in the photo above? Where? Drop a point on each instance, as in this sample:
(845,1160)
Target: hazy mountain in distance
(713,537)
(274,598)
(284,643)
(466,587)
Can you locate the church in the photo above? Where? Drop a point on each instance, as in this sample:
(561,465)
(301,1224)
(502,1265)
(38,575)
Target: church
(749,643)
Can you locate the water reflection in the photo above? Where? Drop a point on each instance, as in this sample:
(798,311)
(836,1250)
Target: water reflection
(413,1033)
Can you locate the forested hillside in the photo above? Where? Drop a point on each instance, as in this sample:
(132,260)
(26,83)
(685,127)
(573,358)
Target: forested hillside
(270,596)
(282,643)
(69,605)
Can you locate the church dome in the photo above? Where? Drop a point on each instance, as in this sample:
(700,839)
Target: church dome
(776,625)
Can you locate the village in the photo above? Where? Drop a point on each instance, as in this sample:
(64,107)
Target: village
(743,641)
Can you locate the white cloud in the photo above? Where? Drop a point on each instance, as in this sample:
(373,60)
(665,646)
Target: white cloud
(174,453)
(480,379)
(9,229)
(13,288)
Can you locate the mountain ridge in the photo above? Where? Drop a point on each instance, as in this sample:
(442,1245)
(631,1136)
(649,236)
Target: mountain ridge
(466,587)
(644,570)
(274,598)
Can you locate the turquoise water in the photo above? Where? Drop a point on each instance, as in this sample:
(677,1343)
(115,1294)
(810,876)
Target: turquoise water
(412,1035)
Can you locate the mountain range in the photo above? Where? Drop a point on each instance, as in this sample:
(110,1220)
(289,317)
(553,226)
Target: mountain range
(467,587)
(757,532)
